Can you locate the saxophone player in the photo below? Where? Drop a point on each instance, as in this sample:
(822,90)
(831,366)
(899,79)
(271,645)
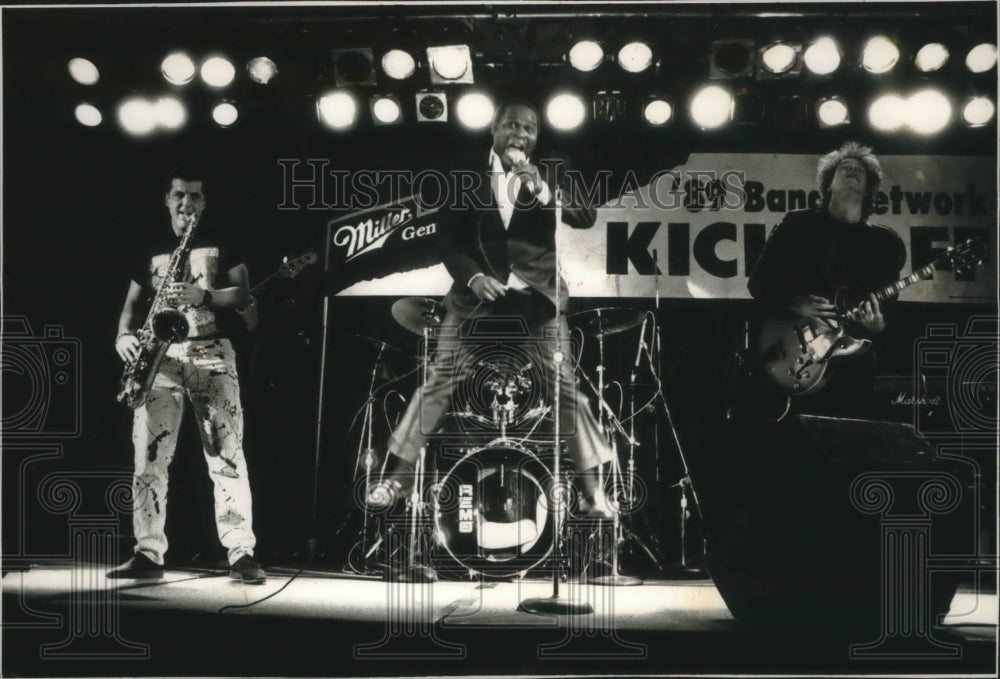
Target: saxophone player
(198,367)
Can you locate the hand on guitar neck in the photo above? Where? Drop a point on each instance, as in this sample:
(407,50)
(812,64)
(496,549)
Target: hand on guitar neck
(868,313)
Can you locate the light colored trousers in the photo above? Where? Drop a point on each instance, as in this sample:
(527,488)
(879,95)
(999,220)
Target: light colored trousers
(204,373)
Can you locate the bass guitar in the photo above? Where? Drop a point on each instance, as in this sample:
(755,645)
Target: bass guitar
(289,269)
(794,351)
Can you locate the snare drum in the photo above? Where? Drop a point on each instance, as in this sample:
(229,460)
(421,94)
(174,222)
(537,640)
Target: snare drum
(491,513)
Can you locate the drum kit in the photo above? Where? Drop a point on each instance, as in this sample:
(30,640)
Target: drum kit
(490,484)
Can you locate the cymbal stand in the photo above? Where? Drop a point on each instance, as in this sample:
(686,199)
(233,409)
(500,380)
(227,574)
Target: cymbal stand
(366,454)
(556,605)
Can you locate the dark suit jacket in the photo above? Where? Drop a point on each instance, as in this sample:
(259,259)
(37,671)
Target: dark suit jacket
(474,240)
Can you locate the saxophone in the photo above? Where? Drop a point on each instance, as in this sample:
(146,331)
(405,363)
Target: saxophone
(164,324)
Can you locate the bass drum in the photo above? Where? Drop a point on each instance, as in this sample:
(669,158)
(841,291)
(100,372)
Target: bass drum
(491,513)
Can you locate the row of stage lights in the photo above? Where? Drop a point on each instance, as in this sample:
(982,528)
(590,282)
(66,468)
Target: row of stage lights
(926,111)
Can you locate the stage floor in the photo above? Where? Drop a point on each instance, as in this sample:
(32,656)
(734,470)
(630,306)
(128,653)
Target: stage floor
(61,621)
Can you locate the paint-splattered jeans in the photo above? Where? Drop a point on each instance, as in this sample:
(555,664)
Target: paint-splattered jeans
(204,372)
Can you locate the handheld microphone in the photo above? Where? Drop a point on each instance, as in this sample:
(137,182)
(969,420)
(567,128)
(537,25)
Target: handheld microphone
(642,342)
(517,157)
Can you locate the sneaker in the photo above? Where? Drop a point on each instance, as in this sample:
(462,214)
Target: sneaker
(387,492)
(247,570)
(139,566)
(598,507)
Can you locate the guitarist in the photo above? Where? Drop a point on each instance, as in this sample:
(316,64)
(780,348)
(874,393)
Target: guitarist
(812,253)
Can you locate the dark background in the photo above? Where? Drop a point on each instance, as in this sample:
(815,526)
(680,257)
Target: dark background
(79,201)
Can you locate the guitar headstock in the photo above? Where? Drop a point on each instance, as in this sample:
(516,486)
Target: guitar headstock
(961,258)
(293,267)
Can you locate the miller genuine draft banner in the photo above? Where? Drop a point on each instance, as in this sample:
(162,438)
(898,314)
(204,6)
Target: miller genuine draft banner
(695,230)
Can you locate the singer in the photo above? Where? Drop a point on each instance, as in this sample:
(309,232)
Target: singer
(502,260)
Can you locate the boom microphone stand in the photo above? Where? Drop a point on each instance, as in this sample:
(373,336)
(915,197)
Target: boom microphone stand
(556,605)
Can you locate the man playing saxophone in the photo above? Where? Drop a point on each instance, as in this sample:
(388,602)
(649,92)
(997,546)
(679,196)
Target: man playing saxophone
(197,365)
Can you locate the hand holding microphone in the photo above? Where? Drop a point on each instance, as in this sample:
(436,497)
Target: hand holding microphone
(524,169)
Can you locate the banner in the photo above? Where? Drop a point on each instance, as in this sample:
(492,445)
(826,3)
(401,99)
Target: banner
(695,230)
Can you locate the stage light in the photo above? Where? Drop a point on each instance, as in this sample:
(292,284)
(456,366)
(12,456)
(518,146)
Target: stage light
(978,111)
(931,57)
(398,64)
(177,68)
(832,111)
(217,72)
(730,59)
(711,107)
(262,70)
(386,109)
(354,67)
(586,55)
(822,57)
(887,113)
(170,113)
(981,58)
(635,57)
(474,110)
(879,55)
(658,112)
(779,58)
(790,111)
(337,109)
(225,114)
(89,116)
(432,107)
(609,106)
(450,64)
(84,71)
(748,107)
(137,116)
(928,111)
(565,111)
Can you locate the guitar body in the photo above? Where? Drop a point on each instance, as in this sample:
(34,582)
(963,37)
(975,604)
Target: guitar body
(794,351)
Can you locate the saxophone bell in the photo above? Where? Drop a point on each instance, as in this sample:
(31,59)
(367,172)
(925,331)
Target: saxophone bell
(170,325)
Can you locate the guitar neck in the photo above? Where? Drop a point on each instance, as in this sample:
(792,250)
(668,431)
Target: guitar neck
(923,273)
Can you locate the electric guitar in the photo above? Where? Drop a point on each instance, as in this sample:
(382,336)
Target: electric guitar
(289,269)
(794,351)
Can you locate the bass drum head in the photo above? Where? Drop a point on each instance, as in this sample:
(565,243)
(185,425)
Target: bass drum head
(491,513)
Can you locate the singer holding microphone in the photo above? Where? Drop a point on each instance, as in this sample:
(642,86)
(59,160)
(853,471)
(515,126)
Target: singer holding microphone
(498,244)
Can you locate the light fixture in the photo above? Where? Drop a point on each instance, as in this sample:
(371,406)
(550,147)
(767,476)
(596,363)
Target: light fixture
(398,64)
(822,57)
(609,106)
(178,68)
(981,58)
(928,111)
(474,110)
(635,57)
(790,110)
(748,107)
(225,114)
(337,109)
(354,67)
(386,109)
(832,112)
(137,116)
(879,55)
(565,111)
(84,71)
(432,106)
(217,71)
(887,113)
(450,64)
(711,107)
(730,59)
(586,55)
(170,113)
(931,57)
(978,111)
(779,59)
(88,115)
(657,111)
(262,70)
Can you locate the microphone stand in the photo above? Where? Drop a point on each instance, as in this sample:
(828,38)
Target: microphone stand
(556,605)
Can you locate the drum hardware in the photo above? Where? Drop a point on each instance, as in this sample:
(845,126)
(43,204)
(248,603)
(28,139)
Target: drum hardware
(415,571)
(556,604)
(418,314)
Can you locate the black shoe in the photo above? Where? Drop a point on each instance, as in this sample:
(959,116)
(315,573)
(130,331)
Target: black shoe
(139,566)
(388,491)
(247,570)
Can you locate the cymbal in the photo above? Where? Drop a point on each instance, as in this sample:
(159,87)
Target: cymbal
(607,320)
(417,313)
(378,344)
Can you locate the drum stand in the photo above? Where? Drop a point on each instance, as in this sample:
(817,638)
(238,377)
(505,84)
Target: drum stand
(556,605)
(366,456)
